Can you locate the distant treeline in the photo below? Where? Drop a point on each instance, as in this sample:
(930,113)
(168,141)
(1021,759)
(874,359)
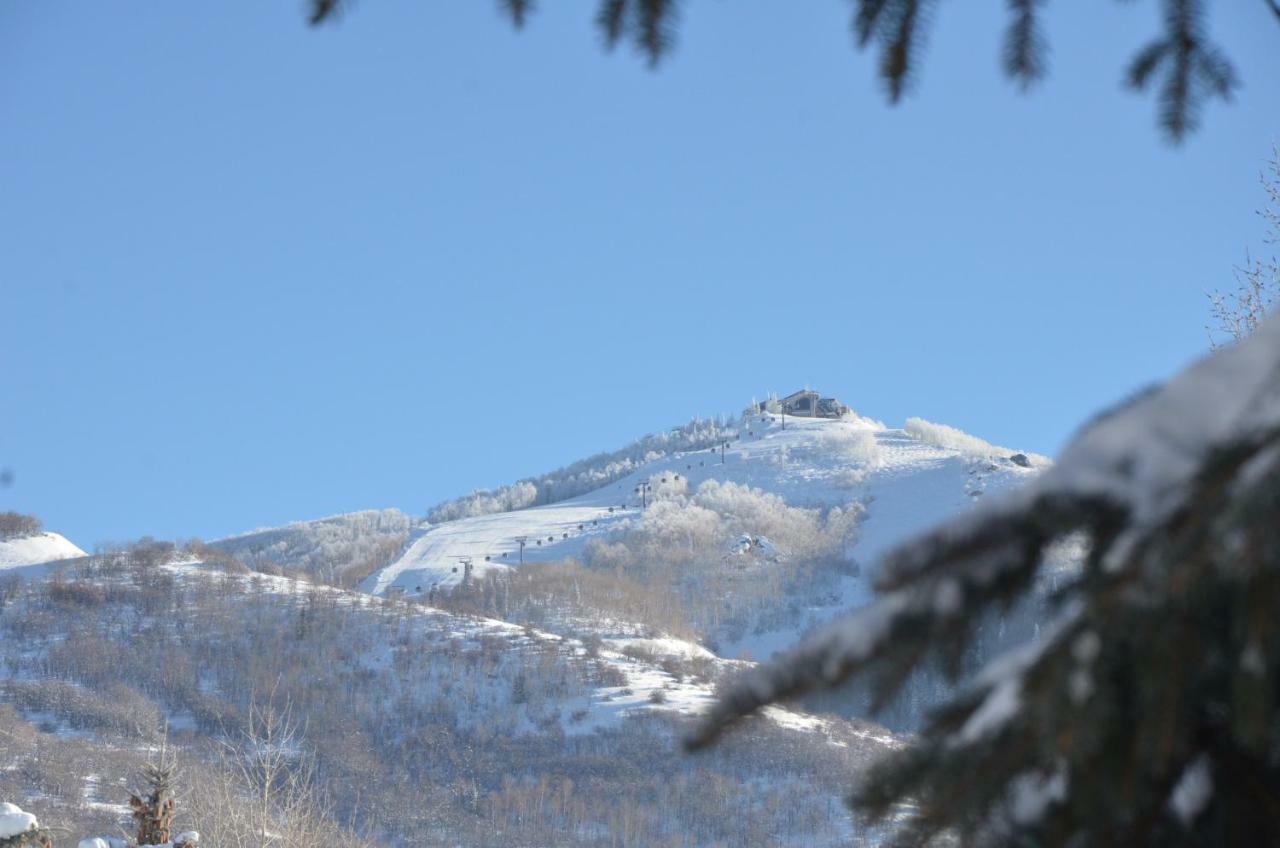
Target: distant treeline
(587,474)
(15,525)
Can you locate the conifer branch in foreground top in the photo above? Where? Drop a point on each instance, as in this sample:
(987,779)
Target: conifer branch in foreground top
(1182,63)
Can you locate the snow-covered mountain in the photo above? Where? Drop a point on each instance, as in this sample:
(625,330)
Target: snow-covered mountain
(900,480)
(903,479)
(519,648)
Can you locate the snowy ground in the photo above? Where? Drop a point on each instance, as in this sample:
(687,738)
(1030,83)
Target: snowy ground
(30,555)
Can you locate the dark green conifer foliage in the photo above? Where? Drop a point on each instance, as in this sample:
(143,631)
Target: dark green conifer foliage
(1148,713)
(1193,68)
(1181,62)
(1025,48)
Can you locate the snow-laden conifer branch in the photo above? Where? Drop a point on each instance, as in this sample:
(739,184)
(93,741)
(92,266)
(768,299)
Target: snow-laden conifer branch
(1147,714)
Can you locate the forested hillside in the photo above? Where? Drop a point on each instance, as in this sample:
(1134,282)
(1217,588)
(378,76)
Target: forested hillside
(518,676)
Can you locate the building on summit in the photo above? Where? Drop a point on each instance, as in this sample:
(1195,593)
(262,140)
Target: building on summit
(804,404)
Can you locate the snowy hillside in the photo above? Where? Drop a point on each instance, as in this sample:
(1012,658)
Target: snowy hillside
(450,724)
(333,548)
(507,656)
(904,480)
(632,664)
(37,549)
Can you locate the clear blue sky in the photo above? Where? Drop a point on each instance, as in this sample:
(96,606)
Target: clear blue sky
(252,272)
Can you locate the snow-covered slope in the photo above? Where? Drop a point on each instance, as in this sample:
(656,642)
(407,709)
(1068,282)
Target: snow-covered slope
(38,549)
(405,685)
(643,684)
(907,481)
(326,547)
(598,661)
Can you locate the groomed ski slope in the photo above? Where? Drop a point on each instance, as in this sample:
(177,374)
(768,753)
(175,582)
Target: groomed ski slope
(907,485)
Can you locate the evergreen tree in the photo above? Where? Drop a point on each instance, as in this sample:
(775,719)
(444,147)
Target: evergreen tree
(1148,713)
(1181,61)
(153,806)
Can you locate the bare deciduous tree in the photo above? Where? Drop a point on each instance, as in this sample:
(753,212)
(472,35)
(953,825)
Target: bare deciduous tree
(15,525)
(1238,313)
(262,791)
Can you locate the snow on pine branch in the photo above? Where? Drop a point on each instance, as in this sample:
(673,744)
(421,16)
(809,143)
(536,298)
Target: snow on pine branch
(823,659)
(14,821)
(1121,476)
(1137,461)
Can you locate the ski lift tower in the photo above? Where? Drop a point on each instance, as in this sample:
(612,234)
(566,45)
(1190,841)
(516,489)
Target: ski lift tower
(465,562)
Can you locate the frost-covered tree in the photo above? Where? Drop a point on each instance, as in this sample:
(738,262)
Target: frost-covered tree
(1238,313)
(588,474)
(1181,61)
(1148,712)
